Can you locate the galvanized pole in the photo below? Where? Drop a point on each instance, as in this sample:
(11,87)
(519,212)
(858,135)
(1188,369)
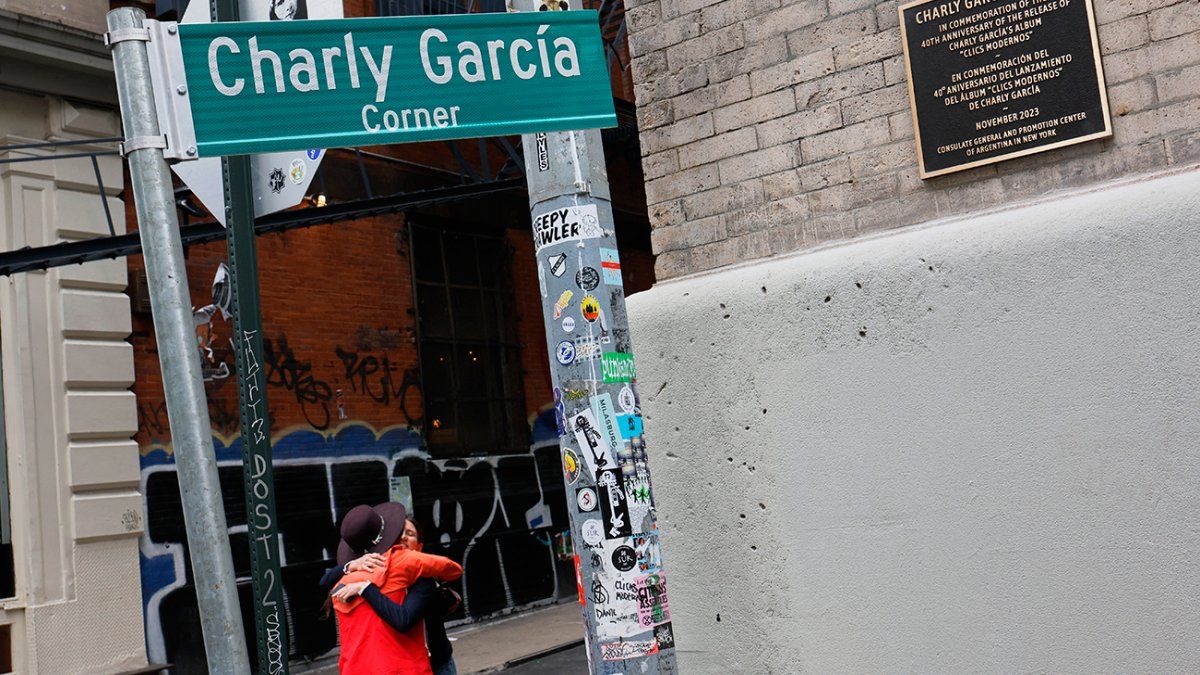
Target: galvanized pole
(258,472)
(187,407)
(613,525)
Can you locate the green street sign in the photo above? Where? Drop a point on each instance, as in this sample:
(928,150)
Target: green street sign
(294,85)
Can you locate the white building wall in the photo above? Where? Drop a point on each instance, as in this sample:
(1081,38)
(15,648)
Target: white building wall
(967,447)
(68,411)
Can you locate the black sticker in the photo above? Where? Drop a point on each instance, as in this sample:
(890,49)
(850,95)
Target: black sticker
(613,504)
(587,278)
(624,559)
(665,636)
(276,180)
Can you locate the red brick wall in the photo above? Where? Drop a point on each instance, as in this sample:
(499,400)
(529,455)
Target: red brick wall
(345,286)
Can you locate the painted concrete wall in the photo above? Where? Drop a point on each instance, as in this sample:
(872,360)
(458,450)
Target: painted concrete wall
(971,447)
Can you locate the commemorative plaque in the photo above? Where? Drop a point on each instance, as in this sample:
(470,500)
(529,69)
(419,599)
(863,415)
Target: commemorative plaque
(990,80)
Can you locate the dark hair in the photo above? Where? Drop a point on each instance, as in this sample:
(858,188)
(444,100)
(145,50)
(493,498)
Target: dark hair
(419,529)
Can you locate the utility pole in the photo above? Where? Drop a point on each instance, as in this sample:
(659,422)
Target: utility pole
(170,301)
(614,529)
(258,470)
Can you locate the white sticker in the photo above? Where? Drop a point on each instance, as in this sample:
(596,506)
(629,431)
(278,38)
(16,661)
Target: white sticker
(593,532)
(592,445)
(586,498)
(602,407)
(570,223)
(626,399)
(568,324)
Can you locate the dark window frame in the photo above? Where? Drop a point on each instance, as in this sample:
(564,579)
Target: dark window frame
(503,397)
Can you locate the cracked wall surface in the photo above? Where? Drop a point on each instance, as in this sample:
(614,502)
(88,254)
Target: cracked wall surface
(968,447)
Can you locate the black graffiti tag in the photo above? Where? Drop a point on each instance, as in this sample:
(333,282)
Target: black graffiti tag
(381,380)
(284,371)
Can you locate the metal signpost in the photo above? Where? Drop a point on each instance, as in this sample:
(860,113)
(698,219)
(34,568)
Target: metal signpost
(254,87)
(614,530)
(187,409)
(258,470)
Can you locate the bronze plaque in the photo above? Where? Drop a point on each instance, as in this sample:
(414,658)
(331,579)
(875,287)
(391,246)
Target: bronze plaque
(990,80)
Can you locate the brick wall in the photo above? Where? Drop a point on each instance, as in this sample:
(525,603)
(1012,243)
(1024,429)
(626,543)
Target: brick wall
(771,126)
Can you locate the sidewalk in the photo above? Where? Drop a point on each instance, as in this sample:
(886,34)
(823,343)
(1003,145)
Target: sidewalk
(489,647)
(495,645)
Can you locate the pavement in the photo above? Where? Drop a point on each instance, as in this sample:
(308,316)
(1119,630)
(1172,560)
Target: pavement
(538,642)
(503,643)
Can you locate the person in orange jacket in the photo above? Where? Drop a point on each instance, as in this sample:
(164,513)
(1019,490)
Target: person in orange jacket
(370,646)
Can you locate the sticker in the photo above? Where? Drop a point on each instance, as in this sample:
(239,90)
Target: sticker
(590,307)
(566,352)
(617,367)
(630,425)
(624,559)
(610,265)
(560,412)
(587,278)
(313,154)
(586,498)
(649,553)
(592,532)
(653,609)
(588,348)
(571,466)
(563,301)
(637,497)
(627,400)
(542,282)
(579,582)
(570,394)
(613,504)
(297,171)
(543,152)
(602,407)
(568,324)
(275,180)
(664,636)
(570,223)
(595,450)
(615,599)
(620,651)
(558,264)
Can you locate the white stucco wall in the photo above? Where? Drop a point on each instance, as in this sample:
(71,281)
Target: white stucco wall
(985,459)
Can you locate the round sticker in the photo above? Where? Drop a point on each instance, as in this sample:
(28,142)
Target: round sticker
(566,352)
(314,153)
(624,559)
(590,307)
(568,324)
(586,498)
(297,171)
(626,399)
(593,532)
(571,465)
(587,278)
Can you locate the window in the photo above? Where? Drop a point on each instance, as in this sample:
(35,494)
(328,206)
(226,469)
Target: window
(470,358)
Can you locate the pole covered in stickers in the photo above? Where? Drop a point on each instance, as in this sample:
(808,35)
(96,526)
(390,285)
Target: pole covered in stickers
(614,531)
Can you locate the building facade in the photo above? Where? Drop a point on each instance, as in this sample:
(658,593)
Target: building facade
(71,510)
(939,425)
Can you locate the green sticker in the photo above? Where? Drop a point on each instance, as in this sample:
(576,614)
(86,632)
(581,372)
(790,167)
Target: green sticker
(617,367)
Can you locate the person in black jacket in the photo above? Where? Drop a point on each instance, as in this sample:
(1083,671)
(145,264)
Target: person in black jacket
(425,600)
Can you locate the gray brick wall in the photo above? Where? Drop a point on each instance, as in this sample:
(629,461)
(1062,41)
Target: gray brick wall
(773,125)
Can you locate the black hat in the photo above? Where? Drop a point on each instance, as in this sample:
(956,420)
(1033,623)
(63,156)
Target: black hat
(367,529)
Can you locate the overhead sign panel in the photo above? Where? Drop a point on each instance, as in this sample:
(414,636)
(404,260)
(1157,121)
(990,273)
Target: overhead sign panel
(293,85)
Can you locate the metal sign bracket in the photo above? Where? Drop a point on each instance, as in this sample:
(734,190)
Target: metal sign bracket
(171,98)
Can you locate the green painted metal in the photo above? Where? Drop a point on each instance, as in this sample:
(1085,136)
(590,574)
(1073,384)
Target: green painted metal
(258,473)
(293,85)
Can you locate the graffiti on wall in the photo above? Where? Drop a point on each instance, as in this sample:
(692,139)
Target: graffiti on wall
(495,514)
